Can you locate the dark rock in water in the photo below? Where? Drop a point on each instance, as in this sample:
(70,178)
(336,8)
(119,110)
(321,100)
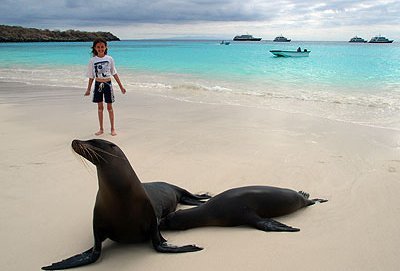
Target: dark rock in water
(22,34)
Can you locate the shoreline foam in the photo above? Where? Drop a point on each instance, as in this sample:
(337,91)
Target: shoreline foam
(379,111)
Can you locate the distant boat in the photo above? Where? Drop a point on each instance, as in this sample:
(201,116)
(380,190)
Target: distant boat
(380,39)
(283,53)
(246,38)
(223,42)
(357,39)
(281,39)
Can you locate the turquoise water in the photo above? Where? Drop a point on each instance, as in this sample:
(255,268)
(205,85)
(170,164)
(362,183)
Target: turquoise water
(343,81)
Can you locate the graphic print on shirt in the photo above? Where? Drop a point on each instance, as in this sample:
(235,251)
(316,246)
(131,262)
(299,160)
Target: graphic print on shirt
(102,69)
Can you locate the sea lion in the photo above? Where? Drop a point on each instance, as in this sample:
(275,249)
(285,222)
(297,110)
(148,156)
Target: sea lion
(125,210)
(254,206)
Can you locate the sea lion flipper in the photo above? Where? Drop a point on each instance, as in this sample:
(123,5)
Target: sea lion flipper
(314,201)
(319,200)
(160,244)
(194,199)
(164,247)
(268,224)
(89,256)
(191,199)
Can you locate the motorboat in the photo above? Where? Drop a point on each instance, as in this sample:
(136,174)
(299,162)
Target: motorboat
(224,42)
(281,39)
(380,39)
(246,38)
(287,53)
(357,39)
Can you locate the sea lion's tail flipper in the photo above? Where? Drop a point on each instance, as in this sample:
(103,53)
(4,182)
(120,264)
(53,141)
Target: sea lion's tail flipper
(87,257)
(313,201)
(268,224)
(319,200)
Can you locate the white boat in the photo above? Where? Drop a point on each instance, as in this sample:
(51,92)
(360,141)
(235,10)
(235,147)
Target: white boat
(357,39)
(246,38)
(281,39)
(284,53)
(380,39)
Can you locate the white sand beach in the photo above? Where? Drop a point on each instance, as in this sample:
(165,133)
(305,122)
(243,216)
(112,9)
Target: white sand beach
(47,193)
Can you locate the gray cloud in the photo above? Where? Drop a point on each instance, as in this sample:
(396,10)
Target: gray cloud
(121,11)
(76,13)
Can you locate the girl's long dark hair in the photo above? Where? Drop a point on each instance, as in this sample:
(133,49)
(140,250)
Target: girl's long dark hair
(98,40)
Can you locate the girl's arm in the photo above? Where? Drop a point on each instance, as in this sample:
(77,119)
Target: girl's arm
(121,87)
(89,87)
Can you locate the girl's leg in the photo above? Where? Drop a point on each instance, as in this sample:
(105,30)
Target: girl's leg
(100,109)
(111,114)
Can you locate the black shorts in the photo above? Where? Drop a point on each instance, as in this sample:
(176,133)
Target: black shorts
(103,89)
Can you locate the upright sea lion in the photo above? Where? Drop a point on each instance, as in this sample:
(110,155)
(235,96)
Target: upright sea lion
(125,210)
(254,206)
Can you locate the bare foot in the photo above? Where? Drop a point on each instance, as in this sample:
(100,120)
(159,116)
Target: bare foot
(113,133)
(99,132)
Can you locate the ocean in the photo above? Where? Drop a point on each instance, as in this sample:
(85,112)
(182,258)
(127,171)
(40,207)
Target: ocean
(340,81)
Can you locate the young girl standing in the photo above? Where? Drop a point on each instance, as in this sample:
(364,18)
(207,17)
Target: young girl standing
(101,68)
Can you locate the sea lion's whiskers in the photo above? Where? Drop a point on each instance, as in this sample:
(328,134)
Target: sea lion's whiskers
(89,153)
(87,166)
(103,151)
(94,155)
(86,152)
(93,152)
(84,162)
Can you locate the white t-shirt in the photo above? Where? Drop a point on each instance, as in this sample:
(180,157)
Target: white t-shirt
(101,67)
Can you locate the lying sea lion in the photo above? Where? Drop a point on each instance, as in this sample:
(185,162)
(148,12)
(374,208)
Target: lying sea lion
(254,206)
(126,210)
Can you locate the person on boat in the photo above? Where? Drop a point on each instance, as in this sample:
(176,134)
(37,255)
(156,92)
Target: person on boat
(305,50)
(299,49)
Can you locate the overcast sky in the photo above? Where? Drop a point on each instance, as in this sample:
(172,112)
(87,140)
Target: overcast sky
(134,19)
